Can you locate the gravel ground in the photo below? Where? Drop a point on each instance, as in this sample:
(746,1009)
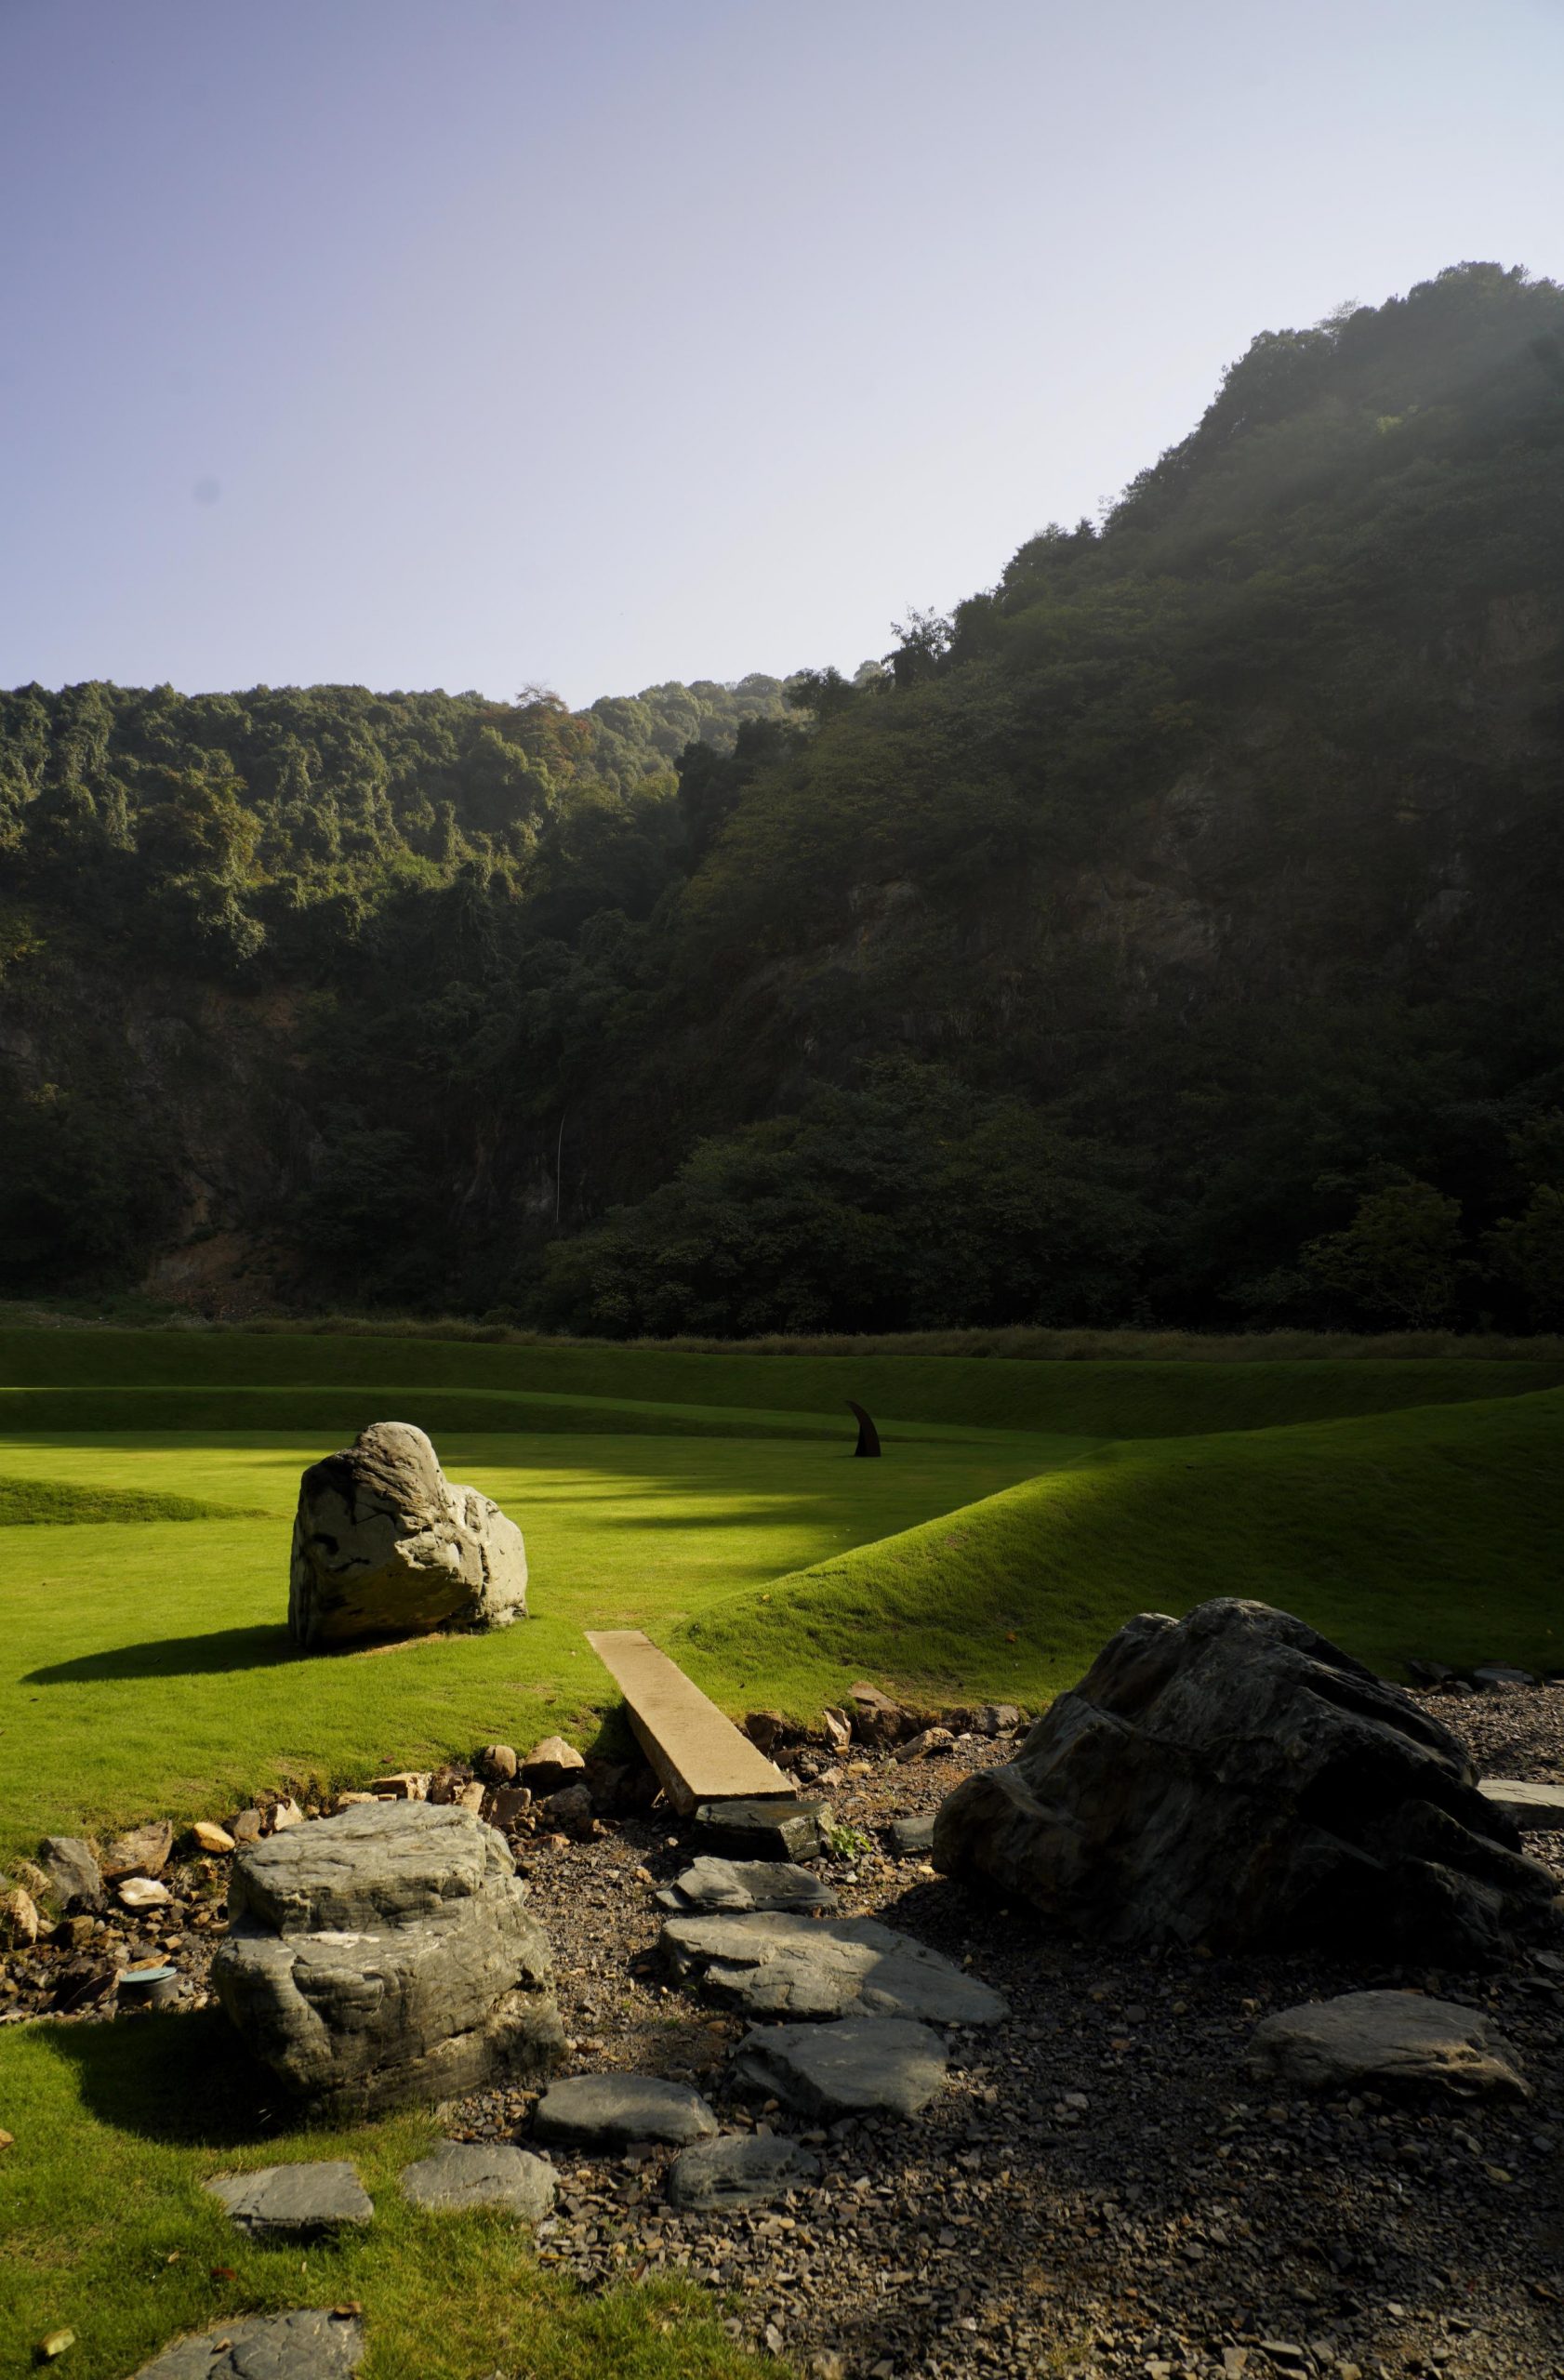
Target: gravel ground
(1102,2190)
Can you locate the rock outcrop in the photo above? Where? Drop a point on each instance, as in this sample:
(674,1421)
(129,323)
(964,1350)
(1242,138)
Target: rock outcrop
(386,1955)
(1234,1779)
(385,1545)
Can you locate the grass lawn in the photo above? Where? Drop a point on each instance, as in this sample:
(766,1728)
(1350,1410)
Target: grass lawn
(1023,1510)
(144,1666)
(1436,1531)
(108,2232)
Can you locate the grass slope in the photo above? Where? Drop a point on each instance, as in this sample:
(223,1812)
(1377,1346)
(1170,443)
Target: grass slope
(31,1502)
(145,1669)
(1081,1399)
(108,2232)
(1437,1531)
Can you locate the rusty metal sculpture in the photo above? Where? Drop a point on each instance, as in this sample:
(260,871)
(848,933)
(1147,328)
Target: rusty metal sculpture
(868,1436)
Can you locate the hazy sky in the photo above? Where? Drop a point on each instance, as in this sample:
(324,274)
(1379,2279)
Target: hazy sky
(482,342)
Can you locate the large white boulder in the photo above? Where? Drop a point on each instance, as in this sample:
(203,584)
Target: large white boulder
(385,1545)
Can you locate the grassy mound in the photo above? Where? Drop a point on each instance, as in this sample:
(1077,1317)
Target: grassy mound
(1437,1531)
(41,1503)
(1082,1399)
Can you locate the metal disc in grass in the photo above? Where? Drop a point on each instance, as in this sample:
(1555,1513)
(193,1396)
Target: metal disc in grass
(149,1987)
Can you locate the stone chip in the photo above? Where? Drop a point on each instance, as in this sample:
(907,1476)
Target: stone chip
(613,2110)
(856,2067)
(313,2344)
(1395,2042)
(778,1964)
(321,2197)
(462,2174)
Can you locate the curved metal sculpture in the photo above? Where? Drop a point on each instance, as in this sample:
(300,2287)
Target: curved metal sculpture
(868,1436)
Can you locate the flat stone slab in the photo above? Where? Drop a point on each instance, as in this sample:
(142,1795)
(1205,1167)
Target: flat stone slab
(1389,2040)
(611,2110)
(462,2174)
(326,2196)
(1534,1807)
(738,1886)
(742,2169)
(314,2344)
(913,1838)
(777,1963)
(741,1829)
(861,2066)
(698,1753)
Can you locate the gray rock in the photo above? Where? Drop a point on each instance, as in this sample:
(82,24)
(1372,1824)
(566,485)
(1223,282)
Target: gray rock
(327,2196)
(73,1871)
(776,1964)
(1492,1673)
(761,1830)
(385,1955)
(385,1545)
(611,2109)
(1388,2040)
(1533,1807)
(462,2174)
(1233,1778)
(568,1812)
(553,1765)
(743,2169)
(854,2068)
(740,1885)
(995,1719)
(914,1838)
(145,1851)
(314,2344)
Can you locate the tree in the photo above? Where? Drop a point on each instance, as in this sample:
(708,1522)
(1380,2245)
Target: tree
(1398,1259)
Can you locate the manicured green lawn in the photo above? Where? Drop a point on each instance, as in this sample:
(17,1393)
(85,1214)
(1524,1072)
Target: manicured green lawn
(106,2231)
(145,1669)
(1438,1531)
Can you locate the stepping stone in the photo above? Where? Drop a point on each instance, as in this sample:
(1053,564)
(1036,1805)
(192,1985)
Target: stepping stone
(742,2169)
(326,2196)
(1534,1807)
(460,2174)
(610,2111)
(1389,2040)
(863,2065)
(742,1884)
(776,1964)
(698,1753)
(914,1838)
(314,2344)
(741,1829)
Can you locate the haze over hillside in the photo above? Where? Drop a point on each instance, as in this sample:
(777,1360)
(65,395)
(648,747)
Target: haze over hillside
(1170,934)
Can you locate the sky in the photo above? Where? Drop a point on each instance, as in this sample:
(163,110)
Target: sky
(499,343)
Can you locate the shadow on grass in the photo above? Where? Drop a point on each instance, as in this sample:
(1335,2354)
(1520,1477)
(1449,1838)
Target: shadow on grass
(182,2079)
(220,1649)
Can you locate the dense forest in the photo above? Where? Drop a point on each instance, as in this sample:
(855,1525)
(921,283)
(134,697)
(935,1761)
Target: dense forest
(1172,933)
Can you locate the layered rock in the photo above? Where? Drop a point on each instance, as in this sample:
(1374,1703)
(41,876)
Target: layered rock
(387,1956)
(385,1545)
(1234,1779)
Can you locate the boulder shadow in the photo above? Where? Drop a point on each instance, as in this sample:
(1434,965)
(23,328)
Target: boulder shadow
(179,2077)
(220,1649)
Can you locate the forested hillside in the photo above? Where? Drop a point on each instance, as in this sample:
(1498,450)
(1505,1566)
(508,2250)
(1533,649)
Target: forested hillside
(1172,933)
